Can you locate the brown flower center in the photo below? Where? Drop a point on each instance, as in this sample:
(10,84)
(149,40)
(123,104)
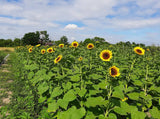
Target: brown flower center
(75,44)
(139,51)
(90,46)
(106,55)
(58,59)
(113,71)
(50,50)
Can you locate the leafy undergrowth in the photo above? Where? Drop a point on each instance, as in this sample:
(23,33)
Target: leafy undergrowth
(6,79)
(74,83)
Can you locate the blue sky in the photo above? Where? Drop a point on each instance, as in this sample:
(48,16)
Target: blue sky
(115,20)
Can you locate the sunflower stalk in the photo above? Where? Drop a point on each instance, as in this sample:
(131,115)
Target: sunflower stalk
(81,76)
(90,58)
(145,87)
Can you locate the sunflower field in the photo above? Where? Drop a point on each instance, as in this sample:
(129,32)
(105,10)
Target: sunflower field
(86,82)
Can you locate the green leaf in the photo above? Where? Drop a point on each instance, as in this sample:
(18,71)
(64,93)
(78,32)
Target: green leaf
(75,78)
(30,75)
(102,85)
(146,97)
(155,113)
(155,88)
(69,96)
(112,116)
(95,76)
(43,87)
(123,109)
(93,92)
(72,113)
(90,115)
(101,116)
(63,103)
(31,67)
(56,92)
(129,89)
(94,101)
(42,99)
(53,106)
(137,115)
(133,96)
(138,83)
(82,92)
(67,86)
(118,93)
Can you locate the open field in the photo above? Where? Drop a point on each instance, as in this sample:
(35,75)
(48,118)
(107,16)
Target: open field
(7,49)
(93,81)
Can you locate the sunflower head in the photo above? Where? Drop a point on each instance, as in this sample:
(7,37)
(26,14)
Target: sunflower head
(114,71)
(139,50)
(75,44)
(38,45)
(80,58)
(147,49)
(106,55)
(43,51)
(56,60)
(61,45)
(70,46)
(30,50)
(90,46)
(50,50)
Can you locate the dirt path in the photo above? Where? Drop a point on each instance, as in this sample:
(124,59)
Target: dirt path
(5,84)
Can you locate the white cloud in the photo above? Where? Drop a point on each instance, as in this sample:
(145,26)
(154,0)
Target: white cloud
(72,27)
(134,24)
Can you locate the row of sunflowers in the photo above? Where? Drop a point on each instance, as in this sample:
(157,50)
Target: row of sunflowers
(105,82)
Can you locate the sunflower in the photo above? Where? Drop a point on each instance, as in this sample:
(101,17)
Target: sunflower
(50,50)
(106,55)
(114,71)
(61,45)
(70,46)
(90,46)
(139,50)
(58,59)
(38,45)
(80,58)
(30,50)
(43,51)
(75,44)
(147,49)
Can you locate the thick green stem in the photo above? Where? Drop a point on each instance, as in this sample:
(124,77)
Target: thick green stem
(145,87)
(81,76)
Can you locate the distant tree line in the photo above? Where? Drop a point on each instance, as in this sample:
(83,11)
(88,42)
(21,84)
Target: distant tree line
(42,37)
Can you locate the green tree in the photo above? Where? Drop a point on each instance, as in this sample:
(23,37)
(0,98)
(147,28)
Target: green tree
(88,40)
(98,39)
(64,40)
(17,42)
(2,42)
(31,38)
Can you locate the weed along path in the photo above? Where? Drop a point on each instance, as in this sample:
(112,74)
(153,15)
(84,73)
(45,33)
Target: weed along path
(5,86)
